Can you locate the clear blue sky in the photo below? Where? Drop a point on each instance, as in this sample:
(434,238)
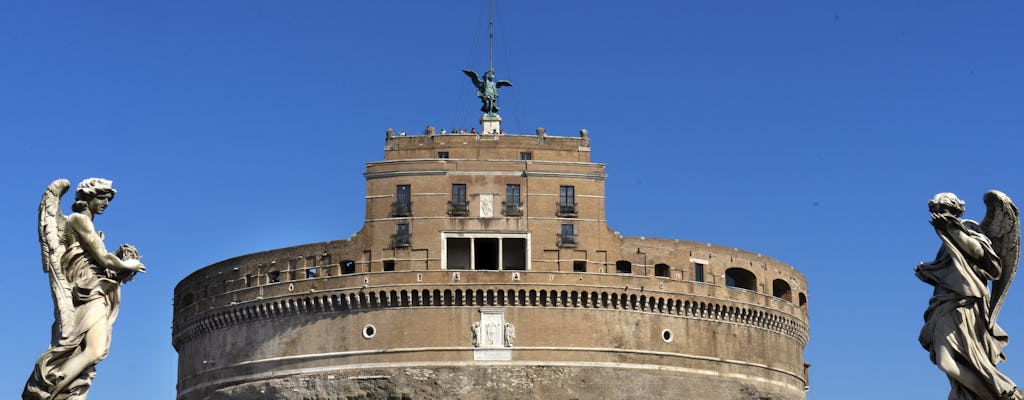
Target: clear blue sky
(811,131)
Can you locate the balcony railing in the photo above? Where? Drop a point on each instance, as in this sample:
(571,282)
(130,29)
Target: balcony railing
(458,209)
(401,209)
(511,209)
(566,240)
(567,210)
(400,240)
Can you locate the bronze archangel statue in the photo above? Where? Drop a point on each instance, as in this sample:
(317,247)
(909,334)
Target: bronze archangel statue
(960,330)
(487,89)
(85,281)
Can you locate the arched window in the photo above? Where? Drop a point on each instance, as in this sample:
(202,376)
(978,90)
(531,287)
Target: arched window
(623,267)
(782,290)
(803,301)
(662,270)
(740,278)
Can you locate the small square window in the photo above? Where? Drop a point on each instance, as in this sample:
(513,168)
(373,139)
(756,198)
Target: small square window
(525,155)
(579,266)
(442,154)
(389,265)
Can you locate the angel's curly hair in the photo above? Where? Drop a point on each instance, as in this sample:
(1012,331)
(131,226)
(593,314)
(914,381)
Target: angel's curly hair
(946,202)
(89,189)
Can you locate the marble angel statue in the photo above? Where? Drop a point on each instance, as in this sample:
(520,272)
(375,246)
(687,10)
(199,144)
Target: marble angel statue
(85,281)
(960,330)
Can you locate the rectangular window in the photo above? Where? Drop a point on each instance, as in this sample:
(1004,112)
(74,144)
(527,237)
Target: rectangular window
(388,265)
(512,206)
(568,236)
(348,267)
(458,207)
(459,193)
(497,252)
(402,207)
(442,154)
(401,236)
(698,272)
(567,201)
(293,266)
(525,156)
(566,195)
(579,266)
(512,194)
(402,193)
(458,251)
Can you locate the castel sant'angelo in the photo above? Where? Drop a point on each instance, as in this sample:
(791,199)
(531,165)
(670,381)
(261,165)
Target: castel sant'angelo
(486,269)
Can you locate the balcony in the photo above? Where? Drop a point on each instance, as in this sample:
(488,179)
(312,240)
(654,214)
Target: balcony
(511,209)
(458,209)
(401,209)
(400,240)
(566,241)
(567,210)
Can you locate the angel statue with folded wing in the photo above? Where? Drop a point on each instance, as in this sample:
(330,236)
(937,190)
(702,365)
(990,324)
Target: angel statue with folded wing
(960,330)
(85,281)
(487,89)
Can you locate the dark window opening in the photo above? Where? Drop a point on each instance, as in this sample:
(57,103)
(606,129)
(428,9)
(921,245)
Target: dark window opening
(187,300)
(525,156)
(458,207)
(248,280)
(402,207)
(740,278)
(486,254)
(348,267)
(442,154)
(512,206)
(458,253)
(579,266)
(513,253)
(781,289)
(311,272)
(567,238)
(274,276)
(698,272)
(567,201)
(803,301)
(401,238)
(388,265)
(662,270)
(623,267)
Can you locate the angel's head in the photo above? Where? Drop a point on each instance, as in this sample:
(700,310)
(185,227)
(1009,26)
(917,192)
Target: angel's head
(93,194)
(946,203)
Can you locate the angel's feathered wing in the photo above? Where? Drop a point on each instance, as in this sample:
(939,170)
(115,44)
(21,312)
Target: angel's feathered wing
(476,78)
(1002,226)
(51,240)
(500,84)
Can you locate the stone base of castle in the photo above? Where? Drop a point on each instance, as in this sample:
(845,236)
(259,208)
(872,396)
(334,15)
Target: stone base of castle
(503,382)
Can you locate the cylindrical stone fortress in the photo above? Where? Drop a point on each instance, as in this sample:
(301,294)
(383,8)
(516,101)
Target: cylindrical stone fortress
(486,269)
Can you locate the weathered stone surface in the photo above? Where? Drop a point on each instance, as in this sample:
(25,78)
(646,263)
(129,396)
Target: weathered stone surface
(499,382)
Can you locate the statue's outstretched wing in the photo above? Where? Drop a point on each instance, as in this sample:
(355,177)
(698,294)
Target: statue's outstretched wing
(51,240)
(476,78)
(502,83)
(1002,226)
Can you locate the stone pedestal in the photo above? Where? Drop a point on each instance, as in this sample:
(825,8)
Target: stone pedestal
(491,124)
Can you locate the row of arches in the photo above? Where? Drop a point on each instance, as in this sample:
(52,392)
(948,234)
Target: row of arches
(734,277)
(363,300)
